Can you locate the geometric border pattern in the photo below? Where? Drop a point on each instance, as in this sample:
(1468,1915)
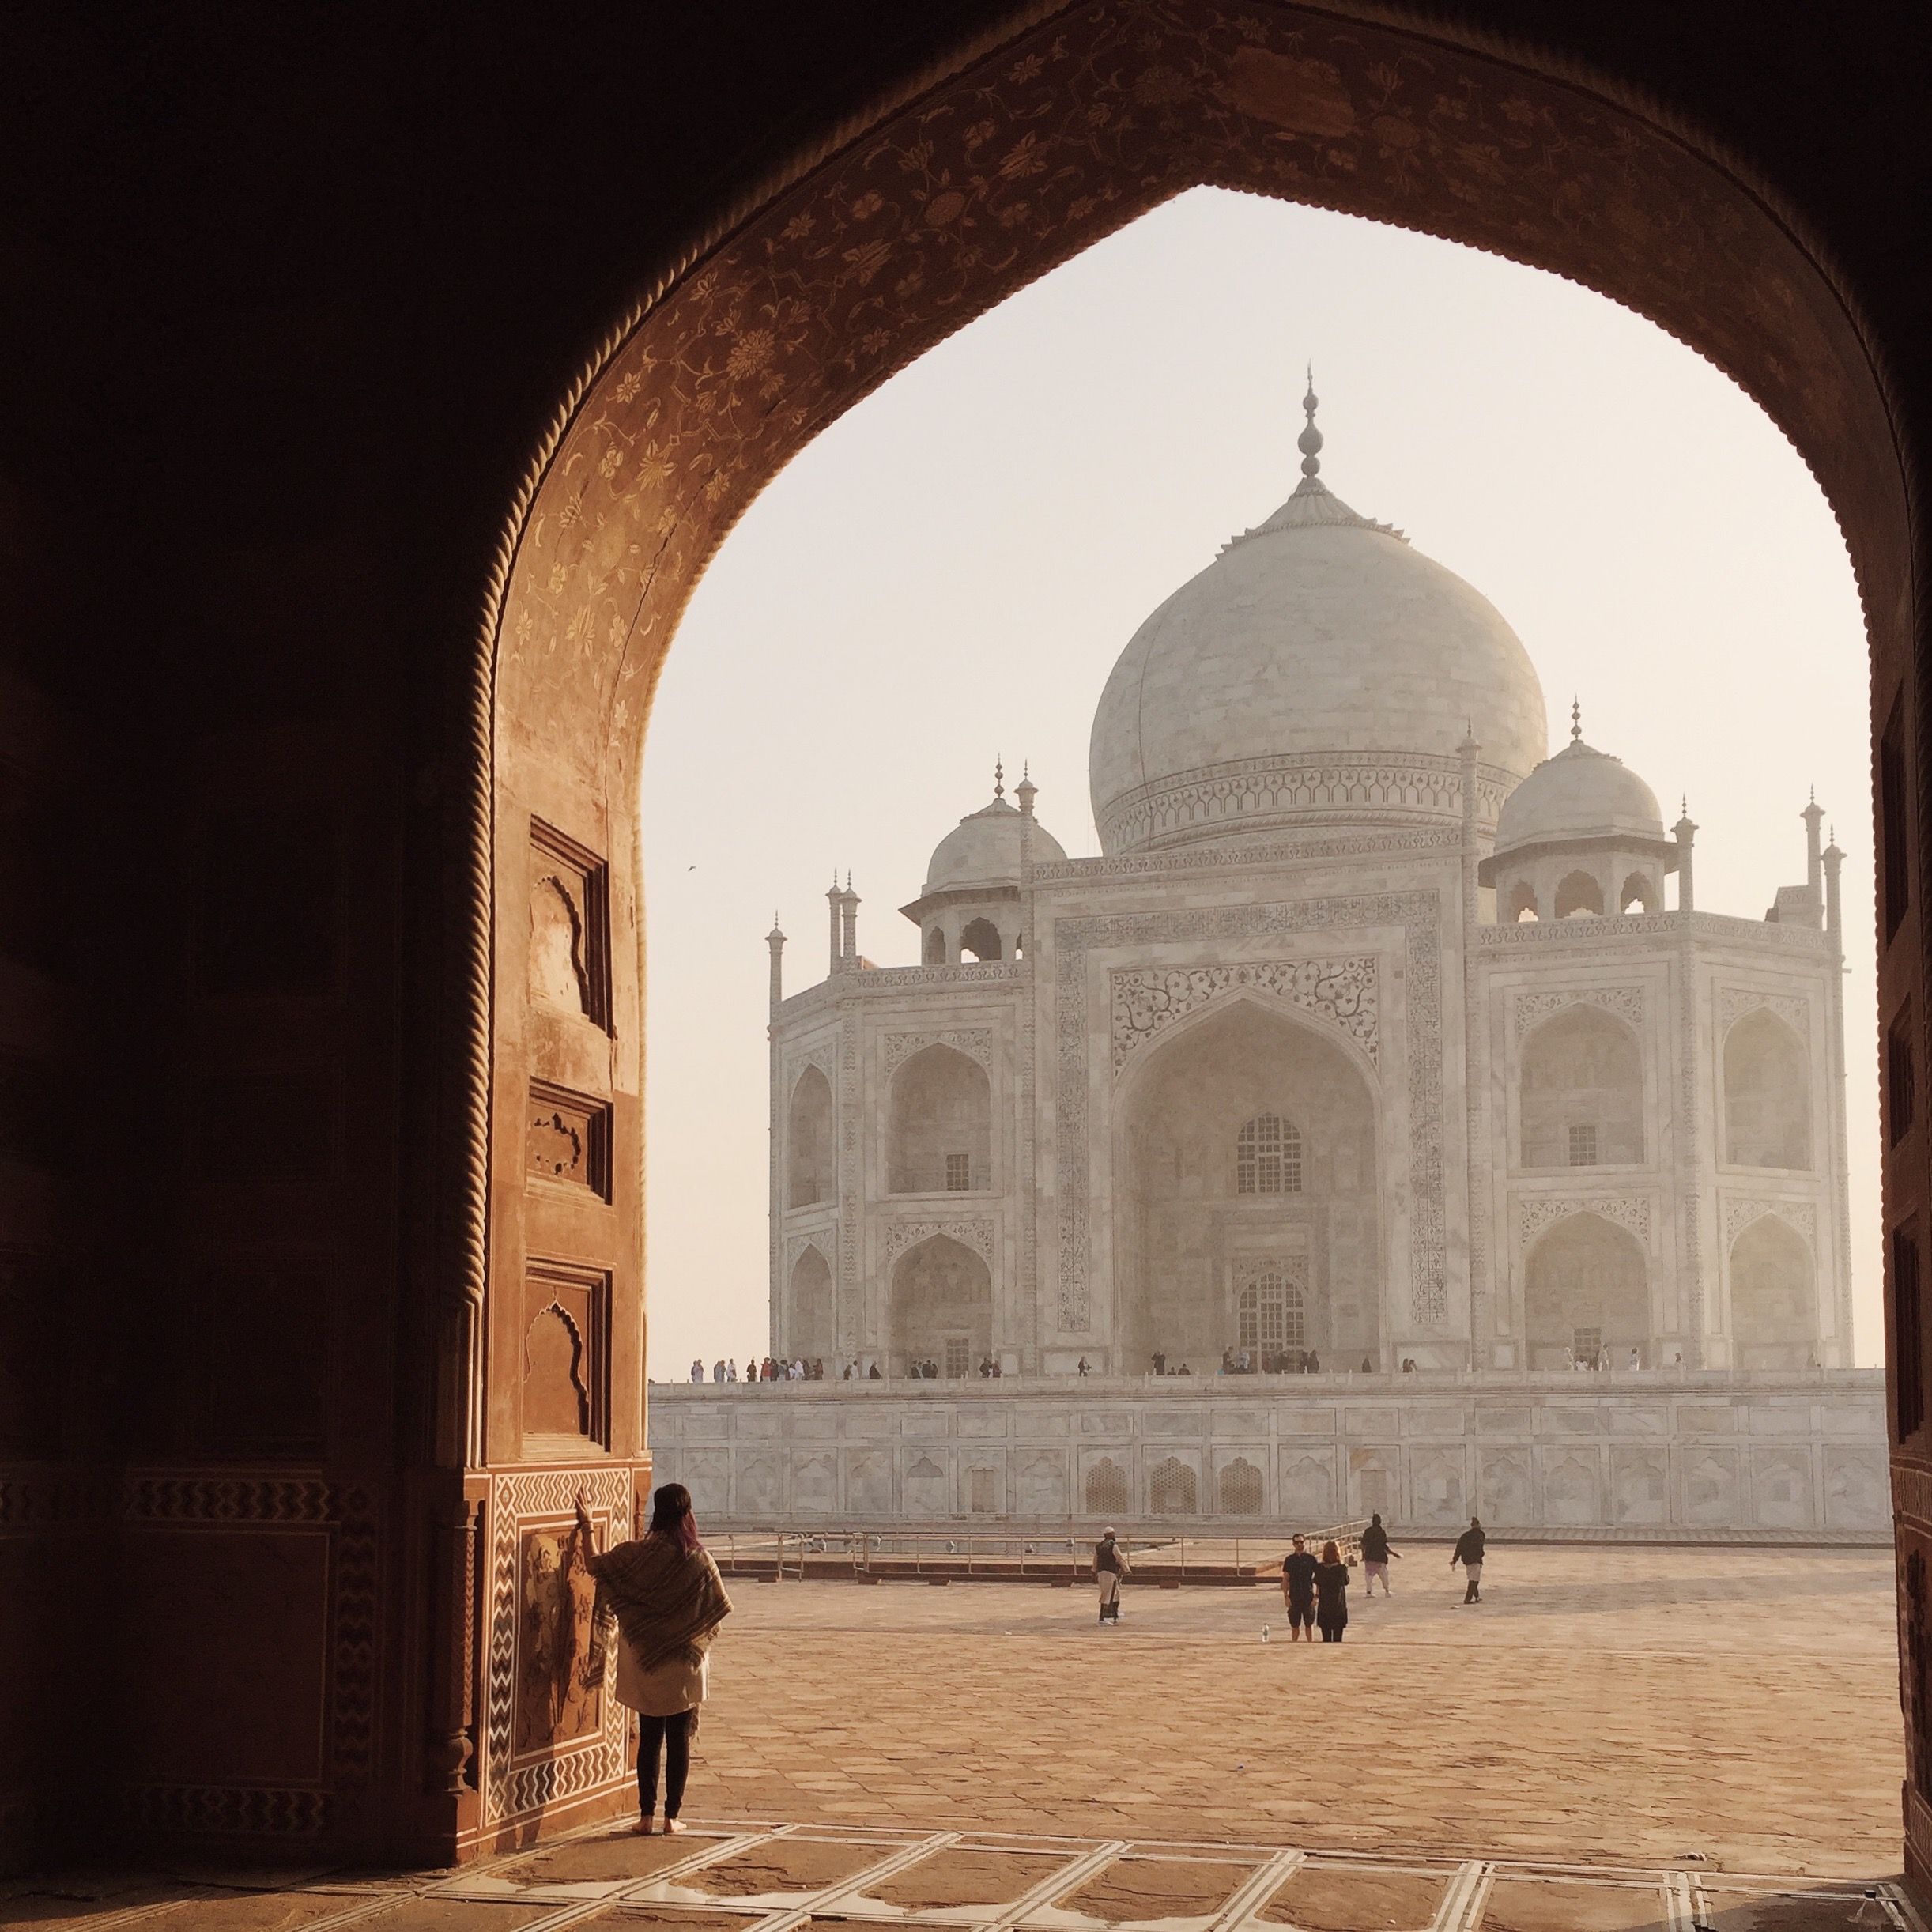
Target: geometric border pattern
(513,1791)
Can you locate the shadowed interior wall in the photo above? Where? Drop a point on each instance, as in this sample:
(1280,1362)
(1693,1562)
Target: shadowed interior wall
(809,1332)
(808,1141)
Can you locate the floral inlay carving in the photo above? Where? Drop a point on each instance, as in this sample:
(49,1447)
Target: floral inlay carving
(1739,1214)
(1533,1009)
(1631,1211)
(901,1235)
(1734,1002)
(975,1042)
(1145,1001)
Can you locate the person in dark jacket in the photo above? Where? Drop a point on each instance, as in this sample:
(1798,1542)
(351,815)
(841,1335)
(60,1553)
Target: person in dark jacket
(1331,1594)
(1375,1555)
(1468,1550)
(1298,1569)
(1110,1565)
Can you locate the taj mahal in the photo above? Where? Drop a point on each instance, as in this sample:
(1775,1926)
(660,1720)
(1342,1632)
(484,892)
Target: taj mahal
(1378,1054)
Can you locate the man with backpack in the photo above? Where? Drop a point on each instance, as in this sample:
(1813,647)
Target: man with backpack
(1468,1550)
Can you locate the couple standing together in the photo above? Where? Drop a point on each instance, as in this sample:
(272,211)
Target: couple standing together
(1317,1590)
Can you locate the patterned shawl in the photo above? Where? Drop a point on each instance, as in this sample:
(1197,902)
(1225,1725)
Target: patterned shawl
(668,1602)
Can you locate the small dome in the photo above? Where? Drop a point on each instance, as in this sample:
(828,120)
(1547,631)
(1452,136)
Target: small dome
(1582,793)
(983,849)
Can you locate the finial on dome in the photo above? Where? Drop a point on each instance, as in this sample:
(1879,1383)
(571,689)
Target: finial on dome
(999,777)
(1577,719)
(1309,441)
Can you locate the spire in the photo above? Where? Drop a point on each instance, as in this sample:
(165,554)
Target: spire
(999,776)
(1309,441)
(1576,721)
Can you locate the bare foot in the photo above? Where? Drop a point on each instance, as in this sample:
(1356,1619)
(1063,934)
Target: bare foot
(642,1828)
(673,1826)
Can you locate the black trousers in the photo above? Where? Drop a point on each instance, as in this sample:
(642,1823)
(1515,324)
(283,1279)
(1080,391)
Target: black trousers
(674,1734)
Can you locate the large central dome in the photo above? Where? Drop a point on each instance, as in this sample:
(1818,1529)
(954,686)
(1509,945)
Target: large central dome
(1319,673)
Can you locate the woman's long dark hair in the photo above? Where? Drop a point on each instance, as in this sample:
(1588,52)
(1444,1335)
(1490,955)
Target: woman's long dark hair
(670,1515)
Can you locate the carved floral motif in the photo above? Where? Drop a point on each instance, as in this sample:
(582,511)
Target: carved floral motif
(901,1235)
(1631,1211)
(1734,1002)
(976,1043)
(1533,1009)
(1145,1001)
(1740,1212)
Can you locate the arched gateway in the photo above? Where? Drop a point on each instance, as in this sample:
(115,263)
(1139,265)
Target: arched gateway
(418,1524)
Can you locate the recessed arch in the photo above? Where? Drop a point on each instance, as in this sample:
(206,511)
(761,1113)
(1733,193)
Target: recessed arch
(939,1133)
(1638,892)
(1766,1093)
(980,937)
(1774,1296)
(1580,1091)
(1578,895)
(1585,1287)
(1522,903)
(810,1154)
(809,1325)
(1198,1238)
(941,1308)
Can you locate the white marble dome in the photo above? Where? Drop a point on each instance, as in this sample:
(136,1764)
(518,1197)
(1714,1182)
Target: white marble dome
(983,849)
(1320,672)
(1580,793)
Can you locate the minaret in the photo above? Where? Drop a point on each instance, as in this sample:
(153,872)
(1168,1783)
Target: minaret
(1831,859)
(775,940)
(835,900)
(1813,816)
(1025,792)
(1684,832)
(1481,1317)
(848,919)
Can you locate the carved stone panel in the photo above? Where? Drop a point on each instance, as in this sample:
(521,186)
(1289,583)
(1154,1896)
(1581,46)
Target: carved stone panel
(566,1358)
(569,927)
(1532,1008)
(567,1138)
(1145,1002)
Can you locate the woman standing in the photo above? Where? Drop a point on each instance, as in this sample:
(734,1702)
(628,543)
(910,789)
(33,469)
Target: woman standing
(1331,1594)
(668,1600)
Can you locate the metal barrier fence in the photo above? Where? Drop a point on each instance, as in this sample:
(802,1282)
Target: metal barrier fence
(1011,1555)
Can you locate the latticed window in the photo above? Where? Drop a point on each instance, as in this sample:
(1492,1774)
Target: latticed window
(1586,1344)
(1584,1147)
(1241,1488)
(1273,1314)
(959,1355)
(1107,1491)
(1173,1489)
(959,1172)
(1268,1157)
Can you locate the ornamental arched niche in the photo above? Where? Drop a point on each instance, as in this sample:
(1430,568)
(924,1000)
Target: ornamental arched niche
(1026,146)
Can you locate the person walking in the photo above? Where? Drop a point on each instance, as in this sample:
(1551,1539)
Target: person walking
(1375,1555)
(1331,1594)
(1110,1565)
(663,1592)
(1468,1550)
(1298,1569)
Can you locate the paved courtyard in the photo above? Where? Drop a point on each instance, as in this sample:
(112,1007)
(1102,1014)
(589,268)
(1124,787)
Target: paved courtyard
(1600,1704)
(1632,1739)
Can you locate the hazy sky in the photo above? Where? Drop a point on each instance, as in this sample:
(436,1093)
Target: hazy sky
(949,573)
